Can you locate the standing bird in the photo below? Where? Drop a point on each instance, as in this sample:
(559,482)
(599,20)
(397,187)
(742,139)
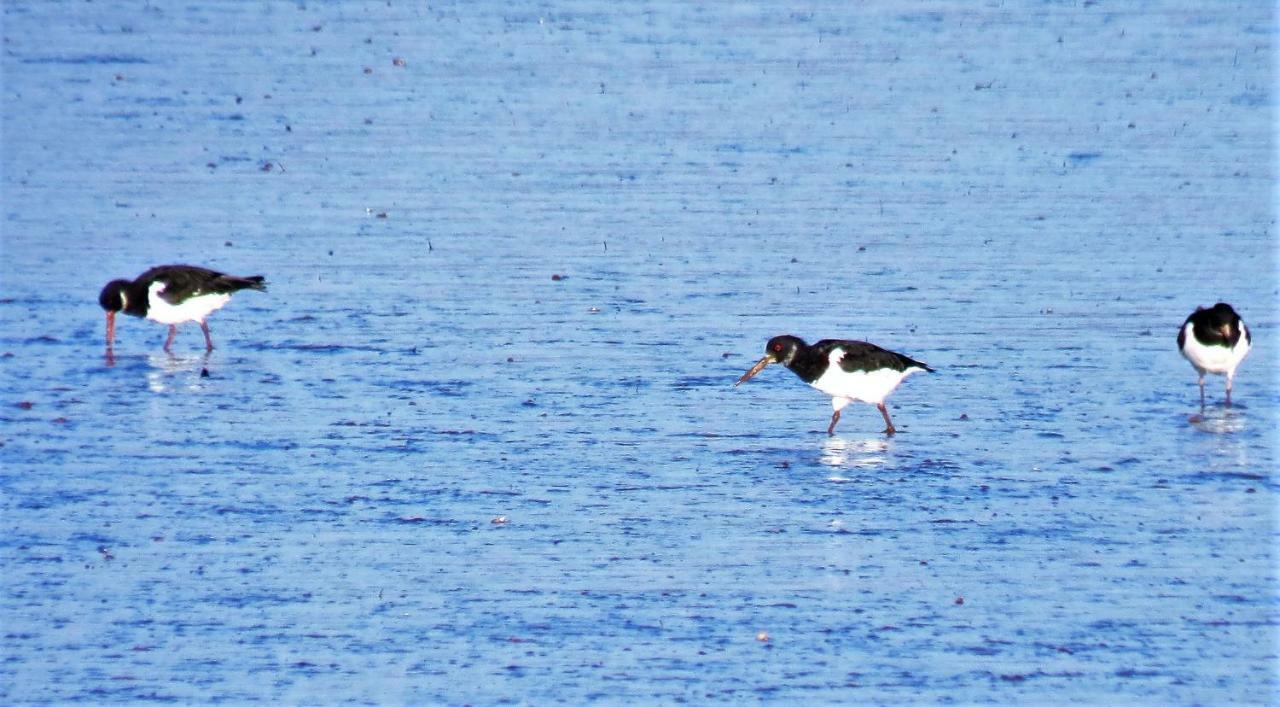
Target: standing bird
(845,370)
(1215,340)
(173,294)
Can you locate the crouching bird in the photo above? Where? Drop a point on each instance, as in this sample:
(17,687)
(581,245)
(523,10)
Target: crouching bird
(1215,340)
(173,294)
(845,370)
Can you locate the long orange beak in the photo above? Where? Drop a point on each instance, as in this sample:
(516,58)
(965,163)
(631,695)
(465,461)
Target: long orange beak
(111,329)
(755,369)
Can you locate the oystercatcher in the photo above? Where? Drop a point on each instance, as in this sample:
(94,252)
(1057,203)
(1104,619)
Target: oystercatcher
(1215,340)
(173,294)
(845,370)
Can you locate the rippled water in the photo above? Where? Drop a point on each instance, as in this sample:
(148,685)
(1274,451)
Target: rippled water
(421,469)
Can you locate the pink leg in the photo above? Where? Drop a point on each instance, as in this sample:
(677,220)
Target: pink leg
(208,342)
(1228,390)
(884,411)
(1201,392)
(831,429)
(173,331)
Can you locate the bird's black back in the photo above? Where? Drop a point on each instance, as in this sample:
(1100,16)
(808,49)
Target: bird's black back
(183,281)
(811,361)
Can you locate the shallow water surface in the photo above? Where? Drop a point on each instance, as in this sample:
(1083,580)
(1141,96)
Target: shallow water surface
(422,469)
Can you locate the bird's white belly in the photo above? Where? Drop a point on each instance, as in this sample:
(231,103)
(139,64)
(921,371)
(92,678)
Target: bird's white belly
(1213,359)
(192,309)
(867,386)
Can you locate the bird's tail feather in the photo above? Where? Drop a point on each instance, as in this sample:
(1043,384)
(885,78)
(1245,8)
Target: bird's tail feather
(253,282)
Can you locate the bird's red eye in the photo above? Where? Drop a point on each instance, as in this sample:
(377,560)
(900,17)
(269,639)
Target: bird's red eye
(777,347)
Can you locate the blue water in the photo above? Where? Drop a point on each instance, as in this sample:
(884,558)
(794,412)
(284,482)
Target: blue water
(421,469)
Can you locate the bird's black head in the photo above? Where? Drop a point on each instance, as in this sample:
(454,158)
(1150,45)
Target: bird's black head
(1223,314)
(1218,325)
(112,297)
(782,349)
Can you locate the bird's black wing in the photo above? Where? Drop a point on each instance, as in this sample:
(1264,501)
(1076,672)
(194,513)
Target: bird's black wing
(863,356)
(184,281)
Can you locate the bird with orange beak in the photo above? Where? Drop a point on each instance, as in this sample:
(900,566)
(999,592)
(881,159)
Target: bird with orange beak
(1215,340)
(173,294)
(845,370)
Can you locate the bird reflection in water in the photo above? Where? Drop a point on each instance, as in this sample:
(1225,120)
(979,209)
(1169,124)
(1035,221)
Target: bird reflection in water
(858,454)
(170,372)
(1221,420)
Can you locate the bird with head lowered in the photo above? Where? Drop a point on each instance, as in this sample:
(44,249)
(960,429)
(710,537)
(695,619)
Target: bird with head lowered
(845,370)
(1215,340)
(173,294)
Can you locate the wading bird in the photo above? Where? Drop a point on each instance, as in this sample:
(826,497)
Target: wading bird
(173,294)
(1215,340)
(845,370)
